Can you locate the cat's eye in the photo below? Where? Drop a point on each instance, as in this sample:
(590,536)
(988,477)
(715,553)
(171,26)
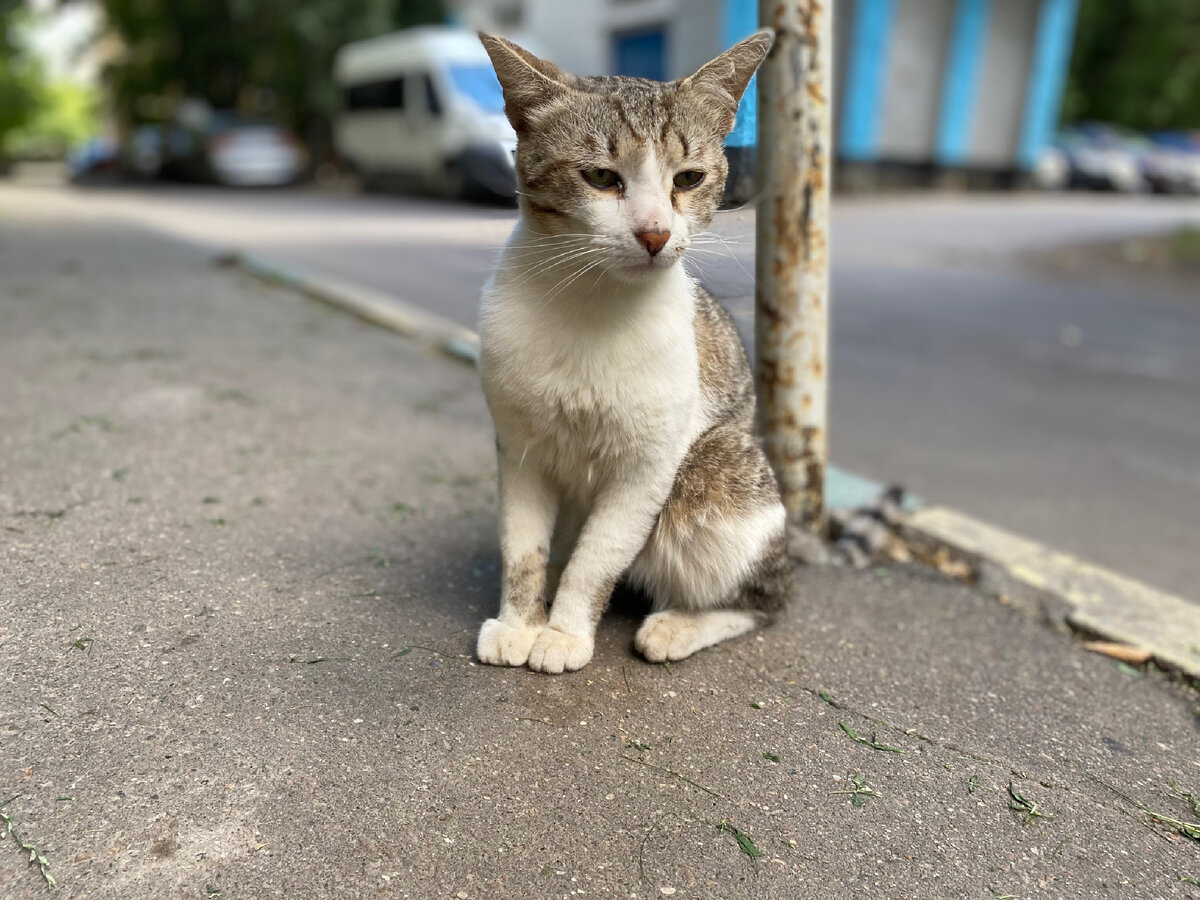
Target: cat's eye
(602,178)
(689,179)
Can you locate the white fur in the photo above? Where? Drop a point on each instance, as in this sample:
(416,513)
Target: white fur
(505,644)
(702,569)
(675,634)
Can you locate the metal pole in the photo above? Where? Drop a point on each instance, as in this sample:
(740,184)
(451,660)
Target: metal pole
(791,322)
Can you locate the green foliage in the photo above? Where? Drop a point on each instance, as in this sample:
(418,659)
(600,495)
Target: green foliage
(256,55)
(64,115)
(1136,63)
(19,76)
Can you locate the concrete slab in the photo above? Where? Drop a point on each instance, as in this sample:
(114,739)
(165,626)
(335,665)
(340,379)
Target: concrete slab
(245,543)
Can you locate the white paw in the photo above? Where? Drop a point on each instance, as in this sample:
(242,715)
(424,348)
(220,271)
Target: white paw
(555,651)
(501,644)
(667,635)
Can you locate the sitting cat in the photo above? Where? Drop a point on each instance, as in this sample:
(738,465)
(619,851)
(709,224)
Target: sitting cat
(621,395)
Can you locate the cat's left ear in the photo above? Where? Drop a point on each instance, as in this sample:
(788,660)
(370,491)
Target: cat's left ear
(726,77)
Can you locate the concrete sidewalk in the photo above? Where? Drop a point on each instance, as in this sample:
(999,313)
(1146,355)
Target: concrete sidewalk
(247,540)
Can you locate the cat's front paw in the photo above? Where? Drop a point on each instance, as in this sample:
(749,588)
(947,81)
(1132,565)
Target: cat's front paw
(556,651)
(501,644)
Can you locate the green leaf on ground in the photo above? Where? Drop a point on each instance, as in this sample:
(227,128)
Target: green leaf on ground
(1186,829)
(82,643)
(1190,798)
(1020,804)
(860,792)
(35,855)
(744,842)
(872,743)
(773,757)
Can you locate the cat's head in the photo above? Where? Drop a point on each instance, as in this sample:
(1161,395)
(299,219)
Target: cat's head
(632,166)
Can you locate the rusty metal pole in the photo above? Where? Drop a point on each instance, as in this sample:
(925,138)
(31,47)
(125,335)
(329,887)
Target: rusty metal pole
(791,322)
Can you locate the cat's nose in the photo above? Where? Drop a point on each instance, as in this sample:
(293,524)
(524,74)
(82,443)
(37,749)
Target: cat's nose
(653,241)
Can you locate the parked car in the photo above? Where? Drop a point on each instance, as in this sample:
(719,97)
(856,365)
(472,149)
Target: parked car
(1099,157)
(227,148)
(423,107)
(1052,170)
(1180,154)
(94,159)
(1106,156)
(143,154)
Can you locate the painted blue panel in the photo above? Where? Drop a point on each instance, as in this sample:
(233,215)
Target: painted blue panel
(640,53)
(960,79)
(865,69)
(739,19)
(1047,77)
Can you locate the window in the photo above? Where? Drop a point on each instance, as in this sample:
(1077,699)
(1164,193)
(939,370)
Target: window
(479,85)
(375,95)
(432,103)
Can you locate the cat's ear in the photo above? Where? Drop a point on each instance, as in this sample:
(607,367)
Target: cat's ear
(528,81)
(726,77)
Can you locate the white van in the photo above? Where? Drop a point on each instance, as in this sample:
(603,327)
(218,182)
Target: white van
(424,106)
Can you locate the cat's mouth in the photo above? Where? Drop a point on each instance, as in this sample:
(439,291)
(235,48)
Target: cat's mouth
(646,264)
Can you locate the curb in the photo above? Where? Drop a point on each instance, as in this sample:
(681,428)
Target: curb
(376,307)
(1092,600)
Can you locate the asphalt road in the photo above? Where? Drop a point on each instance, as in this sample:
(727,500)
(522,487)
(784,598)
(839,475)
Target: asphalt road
(1068,411)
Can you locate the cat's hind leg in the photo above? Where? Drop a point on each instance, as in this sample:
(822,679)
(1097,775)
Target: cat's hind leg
(715,563)
(675,634)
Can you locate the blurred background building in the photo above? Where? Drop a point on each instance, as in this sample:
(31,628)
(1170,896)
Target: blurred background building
(952,92)
(921,86)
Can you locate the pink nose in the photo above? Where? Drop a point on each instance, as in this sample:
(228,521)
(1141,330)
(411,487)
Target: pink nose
(653,241)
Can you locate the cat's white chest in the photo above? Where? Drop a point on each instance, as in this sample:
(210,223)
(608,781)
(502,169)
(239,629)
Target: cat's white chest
(589,395)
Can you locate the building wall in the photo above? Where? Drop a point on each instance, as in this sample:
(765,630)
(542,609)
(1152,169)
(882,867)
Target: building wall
(912,86)
(959,83)
(1000,100)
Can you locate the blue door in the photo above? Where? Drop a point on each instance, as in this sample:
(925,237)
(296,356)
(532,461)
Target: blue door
(641,53)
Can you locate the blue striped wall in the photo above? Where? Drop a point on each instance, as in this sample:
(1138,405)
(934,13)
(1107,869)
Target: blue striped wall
(1047,77)
(959,81)
(864,74)
(740,20)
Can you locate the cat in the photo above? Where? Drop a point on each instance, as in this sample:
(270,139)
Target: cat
(620,392)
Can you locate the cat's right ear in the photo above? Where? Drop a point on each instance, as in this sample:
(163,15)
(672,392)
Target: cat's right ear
(528,81)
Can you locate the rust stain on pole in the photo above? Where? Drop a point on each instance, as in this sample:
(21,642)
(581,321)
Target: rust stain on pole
(792,255)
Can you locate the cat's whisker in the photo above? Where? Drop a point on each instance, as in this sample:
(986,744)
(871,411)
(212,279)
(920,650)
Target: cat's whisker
(751,202)
(565,276)
(541,270)
(538,246)
(711,237)
(544,253)
(534,260)
(570,279)
(603,272)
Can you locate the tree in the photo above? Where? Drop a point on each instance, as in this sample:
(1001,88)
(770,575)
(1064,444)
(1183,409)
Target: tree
(1136,63)
(18,76)
(244,52)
